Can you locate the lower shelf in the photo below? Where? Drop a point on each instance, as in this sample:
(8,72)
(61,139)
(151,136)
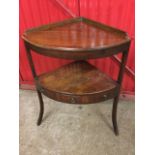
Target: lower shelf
(78,82)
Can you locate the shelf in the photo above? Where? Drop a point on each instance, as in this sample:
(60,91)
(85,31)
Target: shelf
(77,38)
(77,82)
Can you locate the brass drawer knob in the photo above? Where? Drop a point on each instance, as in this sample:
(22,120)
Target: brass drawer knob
(105,96)
(73,101)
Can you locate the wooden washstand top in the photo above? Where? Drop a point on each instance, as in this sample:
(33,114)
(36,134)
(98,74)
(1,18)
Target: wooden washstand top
(77,38)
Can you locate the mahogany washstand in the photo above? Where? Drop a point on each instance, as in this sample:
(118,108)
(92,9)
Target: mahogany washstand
(78,82)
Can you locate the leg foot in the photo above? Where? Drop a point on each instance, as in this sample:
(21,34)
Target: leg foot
(114,115)
(41,108)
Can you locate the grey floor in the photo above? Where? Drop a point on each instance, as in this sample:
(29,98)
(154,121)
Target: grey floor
(74,129)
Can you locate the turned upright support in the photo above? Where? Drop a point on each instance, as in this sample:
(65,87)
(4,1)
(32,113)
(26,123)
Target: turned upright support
(116,99)
(29,56)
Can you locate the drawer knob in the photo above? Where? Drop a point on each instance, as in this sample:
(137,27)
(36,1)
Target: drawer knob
(104,96)
(73,100)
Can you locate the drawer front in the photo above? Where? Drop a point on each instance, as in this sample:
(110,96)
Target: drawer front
(80,99)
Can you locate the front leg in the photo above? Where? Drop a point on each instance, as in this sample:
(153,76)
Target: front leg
(114,115)
(41,108)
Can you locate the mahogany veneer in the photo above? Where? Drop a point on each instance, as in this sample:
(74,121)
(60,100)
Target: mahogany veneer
(77,38)
(78,82)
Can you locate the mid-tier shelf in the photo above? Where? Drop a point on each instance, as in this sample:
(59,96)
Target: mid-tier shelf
(77,82)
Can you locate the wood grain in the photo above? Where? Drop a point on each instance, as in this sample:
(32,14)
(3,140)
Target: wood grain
(77,38)
(78,82)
